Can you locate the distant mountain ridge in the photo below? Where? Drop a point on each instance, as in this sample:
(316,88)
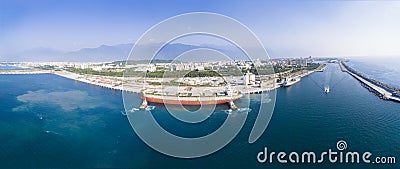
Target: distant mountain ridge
(109,53)
(102,53)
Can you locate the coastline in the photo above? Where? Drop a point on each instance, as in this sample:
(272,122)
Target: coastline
(379,91)
(24,72)
(117,83)
(288,110)
(114,83)
(122,83)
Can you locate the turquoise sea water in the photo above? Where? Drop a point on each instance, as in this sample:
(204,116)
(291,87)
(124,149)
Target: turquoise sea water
(50,121)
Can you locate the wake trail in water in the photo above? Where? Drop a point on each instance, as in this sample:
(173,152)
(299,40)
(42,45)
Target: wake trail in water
(338,82)
(148,108)
(313,80)
(238,110)
(51,132)
(329,75)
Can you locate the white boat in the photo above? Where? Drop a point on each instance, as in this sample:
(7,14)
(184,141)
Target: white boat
(291,81)
(327,89)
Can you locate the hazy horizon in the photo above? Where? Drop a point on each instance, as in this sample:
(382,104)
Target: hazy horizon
(286,29)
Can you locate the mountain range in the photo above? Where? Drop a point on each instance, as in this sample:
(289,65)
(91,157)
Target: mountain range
(109,53)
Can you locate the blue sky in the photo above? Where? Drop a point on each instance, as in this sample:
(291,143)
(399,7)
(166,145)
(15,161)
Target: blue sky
(290,28)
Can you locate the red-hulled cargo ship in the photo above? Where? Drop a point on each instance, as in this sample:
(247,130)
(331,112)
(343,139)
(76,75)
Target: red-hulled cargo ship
(218,98)
(189,100)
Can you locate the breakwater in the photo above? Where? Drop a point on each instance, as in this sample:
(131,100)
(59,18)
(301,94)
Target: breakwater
(382,90)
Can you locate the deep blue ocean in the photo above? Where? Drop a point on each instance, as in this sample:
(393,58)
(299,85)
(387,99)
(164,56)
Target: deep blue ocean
(50,121)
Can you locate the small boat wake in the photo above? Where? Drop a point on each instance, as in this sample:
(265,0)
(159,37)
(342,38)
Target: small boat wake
(148,108)
(238,110)
(245,110)
(51,132)
(228,111)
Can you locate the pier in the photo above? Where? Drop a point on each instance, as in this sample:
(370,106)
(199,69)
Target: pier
(378,90)
(321,68)
(342,68)
(258,90)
